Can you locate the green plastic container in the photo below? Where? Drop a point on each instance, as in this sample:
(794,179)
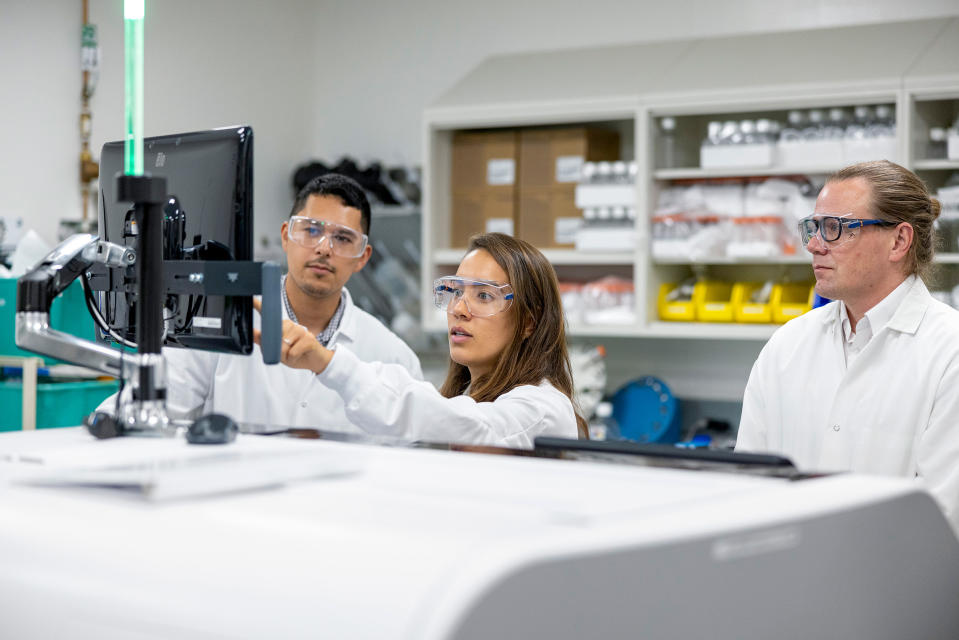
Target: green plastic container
(59,404)
(68,314)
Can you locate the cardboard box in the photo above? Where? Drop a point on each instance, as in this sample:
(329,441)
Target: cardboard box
(549,217)
(481,211)
(483,184)
(550,161)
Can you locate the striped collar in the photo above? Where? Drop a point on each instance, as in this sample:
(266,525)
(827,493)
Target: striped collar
(326,335)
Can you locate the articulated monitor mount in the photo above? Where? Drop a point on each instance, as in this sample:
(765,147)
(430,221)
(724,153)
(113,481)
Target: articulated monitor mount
(143,411)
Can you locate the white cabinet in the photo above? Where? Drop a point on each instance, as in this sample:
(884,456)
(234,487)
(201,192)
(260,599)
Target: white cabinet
(913,67)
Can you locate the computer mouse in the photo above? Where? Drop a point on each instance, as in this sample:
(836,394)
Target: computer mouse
(213,428)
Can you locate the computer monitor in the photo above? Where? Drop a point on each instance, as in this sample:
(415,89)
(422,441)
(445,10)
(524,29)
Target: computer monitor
(208,216)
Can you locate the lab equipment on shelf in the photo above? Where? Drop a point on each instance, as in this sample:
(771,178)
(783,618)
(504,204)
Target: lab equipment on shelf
(606,194)
(645,410)
(808,138)
(609,300)
(588,366)
(729,217)
(947,226)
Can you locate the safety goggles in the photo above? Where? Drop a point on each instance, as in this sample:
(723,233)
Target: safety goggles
(482,299)
(830,228)
(342,241)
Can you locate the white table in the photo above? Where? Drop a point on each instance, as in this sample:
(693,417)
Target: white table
(405,543)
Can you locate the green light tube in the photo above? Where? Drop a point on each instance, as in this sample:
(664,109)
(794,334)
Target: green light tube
(133,11)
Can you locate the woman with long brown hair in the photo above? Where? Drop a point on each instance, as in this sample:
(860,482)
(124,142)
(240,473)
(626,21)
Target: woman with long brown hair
(509,378)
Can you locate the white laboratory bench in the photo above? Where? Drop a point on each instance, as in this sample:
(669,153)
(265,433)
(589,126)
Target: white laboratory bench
(141,538)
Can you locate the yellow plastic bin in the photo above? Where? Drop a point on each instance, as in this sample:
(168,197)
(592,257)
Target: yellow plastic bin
(789,301)
(713,300)
(675,310)
(744,309)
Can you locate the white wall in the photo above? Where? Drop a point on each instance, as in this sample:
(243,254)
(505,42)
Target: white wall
(315,78)
(208,63)
(385,61)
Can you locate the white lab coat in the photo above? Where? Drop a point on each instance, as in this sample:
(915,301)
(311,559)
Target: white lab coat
(242,387)
(894,411)
(384,399)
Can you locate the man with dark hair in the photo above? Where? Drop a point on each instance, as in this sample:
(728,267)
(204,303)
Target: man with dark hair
(326,240)
(870,382)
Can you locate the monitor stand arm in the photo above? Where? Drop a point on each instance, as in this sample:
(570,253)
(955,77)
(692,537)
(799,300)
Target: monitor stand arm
(37,289)
(144,412)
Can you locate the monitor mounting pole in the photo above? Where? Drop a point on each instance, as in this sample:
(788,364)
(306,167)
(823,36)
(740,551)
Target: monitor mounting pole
(146,414)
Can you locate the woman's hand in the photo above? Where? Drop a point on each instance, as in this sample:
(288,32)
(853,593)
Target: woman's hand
(300,348)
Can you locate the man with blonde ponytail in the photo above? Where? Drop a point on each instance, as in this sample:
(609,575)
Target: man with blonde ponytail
(870,382)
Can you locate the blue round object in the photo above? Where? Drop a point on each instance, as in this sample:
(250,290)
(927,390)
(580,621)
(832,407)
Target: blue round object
(646,411)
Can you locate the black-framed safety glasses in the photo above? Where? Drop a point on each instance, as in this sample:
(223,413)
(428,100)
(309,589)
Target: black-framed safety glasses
(830,228)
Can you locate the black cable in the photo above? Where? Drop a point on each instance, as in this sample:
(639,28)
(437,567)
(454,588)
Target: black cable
(98,318)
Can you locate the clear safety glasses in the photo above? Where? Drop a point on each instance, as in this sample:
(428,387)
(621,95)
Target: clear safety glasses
(343,241)
(830,228)
(483,299)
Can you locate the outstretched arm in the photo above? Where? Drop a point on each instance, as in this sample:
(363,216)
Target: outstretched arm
(300,349)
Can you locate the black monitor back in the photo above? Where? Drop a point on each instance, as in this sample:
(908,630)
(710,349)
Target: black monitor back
(210,175)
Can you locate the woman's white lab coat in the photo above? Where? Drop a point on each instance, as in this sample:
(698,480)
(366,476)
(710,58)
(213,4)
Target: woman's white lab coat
(384,399)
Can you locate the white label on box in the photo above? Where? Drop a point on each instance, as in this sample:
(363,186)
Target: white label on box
(500,225)
(206,323)
(605,195)
(737,155)
(569,168)
(500,171)
(566,228)
(952,146)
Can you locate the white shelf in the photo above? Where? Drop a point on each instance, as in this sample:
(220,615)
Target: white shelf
(710,330)
(606,331)
(555,256)
(935,165)
(384,211)
(680,330)
(737,172)
(797,259)
(947,258)
(677,330)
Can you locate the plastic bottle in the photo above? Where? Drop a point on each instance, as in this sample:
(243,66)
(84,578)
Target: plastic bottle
(667,144)
(835,128)
(765,131)
(796,122)
(620,172)
(936,147)
(814,128)
(603,426)
(885,123)
(857,128)
(730,133)
(713,132)
(588,172)
(604,173)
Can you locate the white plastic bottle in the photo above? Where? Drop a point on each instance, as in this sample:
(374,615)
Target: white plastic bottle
(603,426)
